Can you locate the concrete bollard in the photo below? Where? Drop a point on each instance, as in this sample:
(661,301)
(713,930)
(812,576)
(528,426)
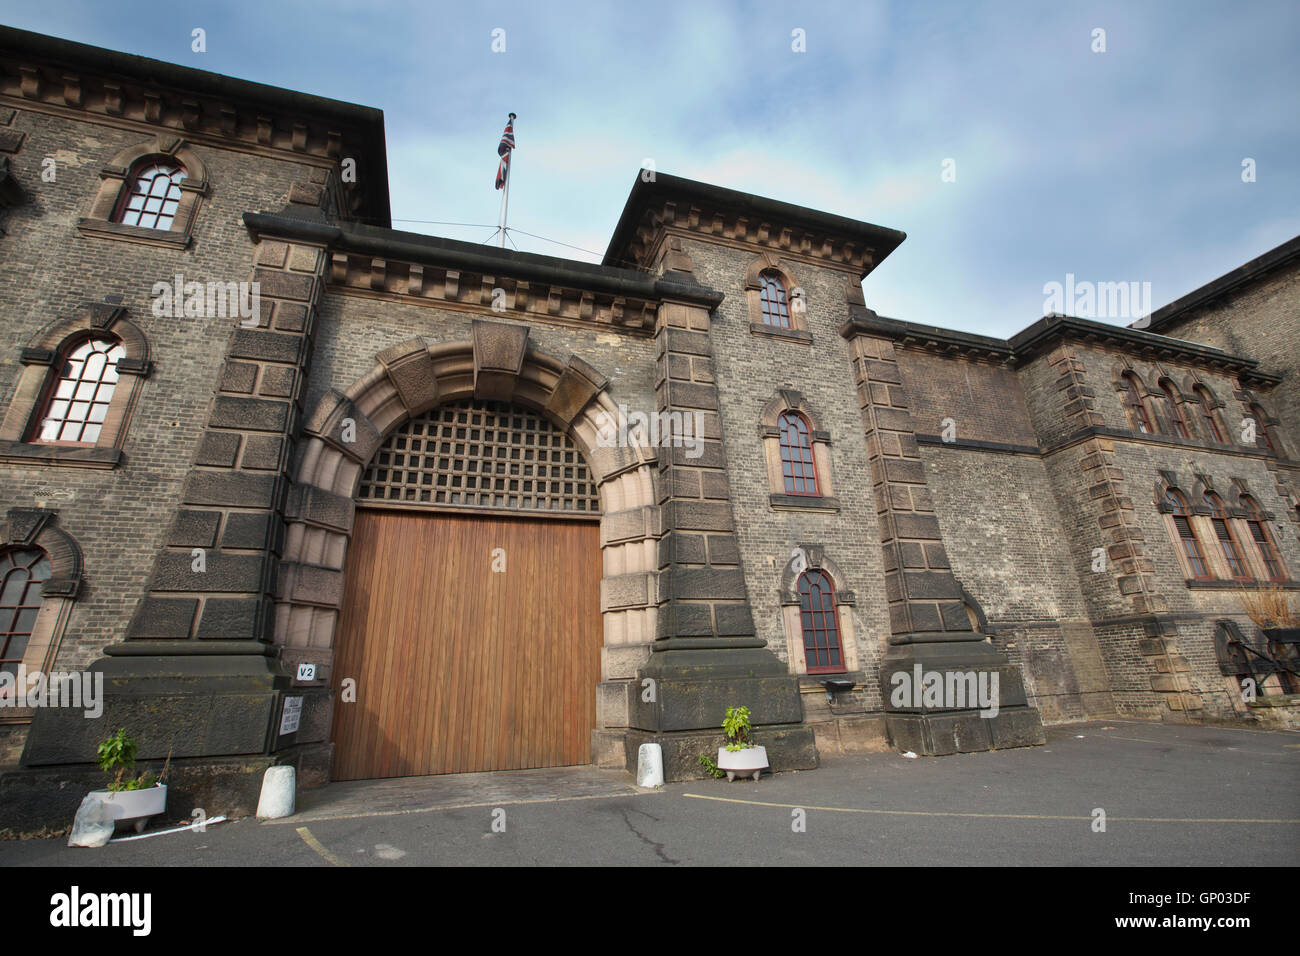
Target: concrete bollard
(279,788)
(649,766)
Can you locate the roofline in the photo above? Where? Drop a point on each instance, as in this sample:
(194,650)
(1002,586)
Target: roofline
(1044,334)
(474,257)
(665,186)
(1256,268)
(181,77)
(82,57)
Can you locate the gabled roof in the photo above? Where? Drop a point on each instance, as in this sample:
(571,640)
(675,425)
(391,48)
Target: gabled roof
(212,105)
(848,238)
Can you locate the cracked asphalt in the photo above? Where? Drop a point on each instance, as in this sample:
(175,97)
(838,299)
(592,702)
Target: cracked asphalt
(1171,795)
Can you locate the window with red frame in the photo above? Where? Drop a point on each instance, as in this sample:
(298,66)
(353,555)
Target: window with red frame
(1218,517)
(1175,413)
(1212,429)
(152,195)
(77,403)
(776,309)
(797,464)
(1263,540)
(821,625)
(1187,535)
(22,572)
(1133,401)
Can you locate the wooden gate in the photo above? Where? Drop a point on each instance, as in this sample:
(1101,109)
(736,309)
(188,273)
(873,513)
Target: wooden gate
(460,667)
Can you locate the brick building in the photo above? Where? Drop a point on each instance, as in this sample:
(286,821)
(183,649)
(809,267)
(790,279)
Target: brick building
(409,468)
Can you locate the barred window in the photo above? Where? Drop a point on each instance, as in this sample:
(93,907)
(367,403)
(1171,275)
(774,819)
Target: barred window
(1262,434)
(1187,535)
(22,572)
(1208,416)
(1133,402)
(797,465)
(1231,553)
(1173,409)
(152,195)
(76,407)
(820,621)
(1263,540)
(475,454)
(776,310)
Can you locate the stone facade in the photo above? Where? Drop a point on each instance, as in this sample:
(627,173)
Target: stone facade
(965,486)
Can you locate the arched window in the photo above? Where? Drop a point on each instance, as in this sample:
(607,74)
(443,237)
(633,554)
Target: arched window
(1231,553)
(820,621)
(797,465)
(1187,535)
(1137,411)
(76,405)
(1262,434)
(1174,412)
(1211,420)
(772,296)
(1263,540)
(22,572)
(152,194)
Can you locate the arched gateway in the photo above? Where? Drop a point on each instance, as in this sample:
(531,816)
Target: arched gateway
(468,631)
(471,611)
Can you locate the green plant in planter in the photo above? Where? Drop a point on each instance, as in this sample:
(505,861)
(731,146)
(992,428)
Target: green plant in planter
(737,727)
(116,755)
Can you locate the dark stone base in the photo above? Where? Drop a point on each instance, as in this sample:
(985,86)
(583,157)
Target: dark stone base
(789,747)
(962,728)
(194,706)
(43,802)
(938,733)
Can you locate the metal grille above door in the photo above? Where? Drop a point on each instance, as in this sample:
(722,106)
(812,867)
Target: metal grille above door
(473,455)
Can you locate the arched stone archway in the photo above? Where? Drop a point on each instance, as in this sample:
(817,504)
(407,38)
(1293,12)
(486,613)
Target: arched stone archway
(344,429)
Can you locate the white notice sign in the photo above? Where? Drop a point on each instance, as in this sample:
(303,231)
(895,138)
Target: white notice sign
(291,715)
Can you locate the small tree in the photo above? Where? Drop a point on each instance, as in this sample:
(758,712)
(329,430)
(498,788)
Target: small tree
(737,727)
(116,755)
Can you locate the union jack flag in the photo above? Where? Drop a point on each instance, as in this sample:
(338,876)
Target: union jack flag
(504,150)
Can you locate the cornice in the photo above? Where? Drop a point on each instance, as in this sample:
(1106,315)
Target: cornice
(441,272)
(53,76)
(670,205)
(1047,333)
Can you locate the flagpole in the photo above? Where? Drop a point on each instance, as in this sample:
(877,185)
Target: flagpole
(505,200)
(505,193)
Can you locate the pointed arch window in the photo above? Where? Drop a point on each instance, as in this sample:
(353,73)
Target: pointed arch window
(76,405)
(1263,540)
(1231,553)
(773,300)
(22,572)
(1137,411)
(1213,431)
(797,465)
(1191,546)
(1173,410)
(820,622)
(1262,434)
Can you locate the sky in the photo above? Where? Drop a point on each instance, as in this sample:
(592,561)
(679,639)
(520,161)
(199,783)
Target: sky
(1011,149)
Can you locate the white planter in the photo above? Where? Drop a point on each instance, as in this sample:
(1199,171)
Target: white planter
(751,760)
(134,807)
